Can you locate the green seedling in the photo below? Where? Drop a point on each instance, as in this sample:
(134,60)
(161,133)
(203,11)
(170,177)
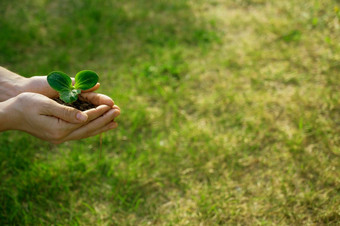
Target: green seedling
(62,83)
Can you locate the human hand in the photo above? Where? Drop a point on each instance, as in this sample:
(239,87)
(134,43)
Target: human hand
(44,118)
(39,84)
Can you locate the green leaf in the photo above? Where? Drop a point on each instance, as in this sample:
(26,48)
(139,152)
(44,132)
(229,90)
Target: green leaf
(69,96)
(86,80)
(59,81)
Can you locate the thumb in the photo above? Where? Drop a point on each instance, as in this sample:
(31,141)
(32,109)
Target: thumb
(68,114)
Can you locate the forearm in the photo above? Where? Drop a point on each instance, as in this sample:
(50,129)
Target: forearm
(11,84)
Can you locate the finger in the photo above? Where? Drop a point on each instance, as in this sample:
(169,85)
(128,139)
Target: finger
(101,121)
(94,125)
(92,89)
(117,110)
(68,114)
(107,127)
(96,112)
(92,114)
(97,99)
(116,107)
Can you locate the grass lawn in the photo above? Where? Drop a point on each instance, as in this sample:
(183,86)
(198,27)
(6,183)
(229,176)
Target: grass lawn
(230,113)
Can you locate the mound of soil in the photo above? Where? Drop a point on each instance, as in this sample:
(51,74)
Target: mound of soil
(78,104)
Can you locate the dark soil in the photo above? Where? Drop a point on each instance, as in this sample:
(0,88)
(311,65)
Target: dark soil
(78,104)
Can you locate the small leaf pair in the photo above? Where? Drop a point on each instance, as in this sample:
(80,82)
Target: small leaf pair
(62,83)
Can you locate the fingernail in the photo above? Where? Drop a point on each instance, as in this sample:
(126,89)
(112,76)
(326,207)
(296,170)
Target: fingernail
(110,112)
(116,113)
(81,117)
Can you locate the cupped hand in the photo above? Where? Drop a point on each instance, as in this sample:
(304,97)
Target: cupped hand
(46,119)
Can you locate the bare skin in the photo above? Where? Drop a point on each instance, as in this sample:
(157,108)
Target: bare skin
(28,107)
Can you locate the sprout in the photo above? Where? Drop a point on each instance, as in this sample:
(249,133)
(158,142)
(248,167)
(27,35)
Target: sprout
(62,83)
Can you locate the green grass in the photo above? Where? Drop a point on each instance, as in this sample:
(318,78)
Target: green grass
(230,113)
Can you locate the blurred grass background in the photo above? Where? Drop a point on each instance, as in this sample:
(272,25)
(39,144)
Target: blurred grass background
(230,113)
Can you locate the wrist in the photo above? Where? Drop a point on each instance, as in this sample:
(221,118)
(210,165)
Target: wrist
(11,84)
(7,115)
